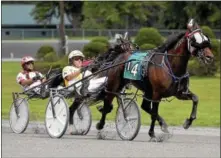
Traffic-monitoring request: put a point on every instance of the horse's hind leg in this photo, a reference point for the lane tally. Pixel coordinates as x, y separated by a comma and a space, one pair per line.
146, 106
153, 119
154, 114
107, 108
194, 98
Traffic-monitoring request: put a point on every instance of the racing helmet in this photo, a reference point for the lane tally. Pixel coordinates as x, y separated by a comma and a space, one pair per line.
75, 53
26, 59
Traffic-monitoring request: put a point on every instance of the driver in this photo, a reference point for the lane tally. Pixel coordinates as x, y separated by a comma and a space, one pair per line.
29, 78
73, 73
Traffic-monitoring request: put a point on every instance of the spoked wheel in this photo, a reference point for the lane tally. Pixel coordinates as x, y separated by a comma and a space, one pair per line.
82, 119
128, 126
19, 115
56, 125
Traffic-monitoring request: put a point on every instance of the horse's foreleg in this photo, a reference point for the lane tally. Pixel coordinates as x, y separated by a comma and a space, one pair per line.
194, 98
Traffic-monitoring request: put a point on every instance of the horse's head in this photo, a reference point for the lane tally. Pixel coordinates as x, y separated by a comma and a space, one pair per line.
198, 44
124, 44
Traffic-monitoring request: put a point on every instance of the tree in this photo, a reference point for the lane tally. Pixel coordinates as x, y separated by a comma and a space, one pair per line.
73, 11
117, 14
178, 12
62, 29
46, 10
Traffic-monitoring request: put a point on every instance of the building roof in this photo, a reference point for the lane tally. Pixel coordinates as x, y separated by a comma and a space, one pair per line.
19, 14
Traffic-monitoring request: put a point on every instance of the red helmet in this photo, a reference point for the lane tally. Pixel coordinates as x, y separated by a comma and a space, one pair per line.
26, 59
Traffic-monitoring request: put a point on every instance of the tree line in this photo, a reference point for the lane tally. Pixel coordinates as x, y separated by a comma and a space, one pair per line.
129, 15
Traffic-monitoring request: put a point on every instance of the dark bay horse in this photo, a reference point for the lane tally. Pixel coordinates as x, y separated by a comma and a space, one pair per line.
165, 75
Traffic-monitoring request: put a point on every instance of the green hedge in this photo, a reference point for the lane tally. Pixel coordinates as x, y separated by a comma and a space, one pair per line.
50, 57
208, 31
100, 39
44, 66
147, 46
216, 48
44, 50
148, 35
94, 48
196, 68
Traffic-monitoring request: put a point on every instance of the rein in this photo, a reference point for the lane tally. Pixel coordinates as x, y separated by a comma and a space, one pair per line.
166, 60
175, 78
95, 73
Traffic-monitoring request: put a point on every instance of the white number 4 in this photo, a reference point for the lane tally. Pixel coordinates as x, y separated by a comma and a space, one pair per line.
134, 69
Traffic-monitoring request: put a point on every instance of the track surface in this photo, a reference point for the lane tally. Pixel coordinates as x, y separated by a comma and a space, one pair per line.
195, 142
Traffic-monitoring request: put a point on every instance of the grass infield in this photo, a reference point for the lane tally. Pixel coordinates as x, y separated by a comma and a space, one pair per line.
174, 112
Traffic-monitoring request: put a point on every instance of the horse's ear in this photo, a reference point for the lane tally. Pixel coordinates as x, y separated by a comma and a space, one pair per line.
126, 35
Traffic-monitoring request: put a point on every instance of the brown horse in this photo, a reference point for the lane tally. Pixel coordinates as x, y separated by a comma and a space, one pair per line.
165, 74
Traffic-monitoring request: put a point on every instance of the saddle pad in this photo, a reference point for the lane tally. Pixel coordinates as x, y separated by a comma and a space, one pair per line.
133, 68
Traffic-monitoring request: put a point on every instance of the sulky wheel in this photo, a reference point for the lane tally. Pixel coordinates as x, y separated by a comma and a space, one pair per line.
82, 119
56, 124
19, 115
127, 125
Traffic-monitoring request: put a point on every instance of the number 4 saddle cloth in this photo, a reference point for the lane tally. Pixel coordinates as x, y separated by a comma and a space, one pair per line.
134, 69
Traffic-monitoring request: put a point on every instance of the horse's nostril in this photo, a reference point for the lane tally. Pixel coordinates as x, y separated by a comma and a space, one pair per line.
209, 57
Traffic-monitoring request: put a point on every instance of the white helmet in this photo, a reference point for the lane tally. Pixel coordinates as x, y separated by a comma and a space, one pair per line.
75, 53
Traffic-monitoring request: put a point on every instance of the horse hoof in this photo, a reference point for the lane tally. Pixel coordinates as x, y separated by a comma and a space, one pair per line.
99, 126
164, 128
152, 135
187, 124
74, 133
153, 139
99, 135
164, 137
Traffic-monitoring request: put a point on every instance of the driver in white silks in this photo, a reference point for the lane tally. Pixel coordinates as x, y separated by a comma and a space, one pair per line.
28, 78
75, 72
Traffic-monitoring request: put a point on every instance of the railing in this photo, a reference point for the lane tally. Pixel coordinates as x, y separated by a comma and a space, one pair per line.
79, 34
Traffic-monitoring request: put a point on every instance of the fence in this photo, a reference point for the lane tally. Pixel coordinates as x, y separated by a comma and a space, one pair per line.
8, 34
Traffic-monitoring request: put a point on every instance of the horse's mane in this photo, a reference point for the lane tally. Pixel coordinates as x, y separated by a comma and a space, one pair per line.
170, 42
55, 75
104, 58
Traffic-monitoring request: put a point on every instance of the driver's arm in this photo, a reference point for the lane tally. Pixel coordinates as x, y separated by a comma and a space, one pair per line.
22, 80
26, 82
73, 75
68, 74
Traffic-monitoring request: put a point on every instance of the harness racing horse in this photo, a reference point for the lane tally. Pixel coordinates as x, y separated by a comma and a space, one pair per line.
165, 74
